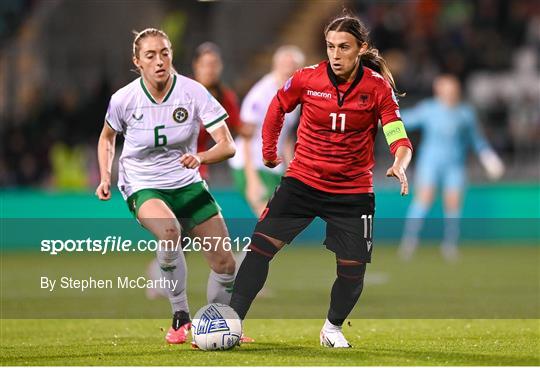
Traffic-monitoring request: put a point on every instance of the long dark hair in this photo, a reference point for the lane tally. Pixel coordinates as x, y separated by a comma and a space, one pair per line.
371, 58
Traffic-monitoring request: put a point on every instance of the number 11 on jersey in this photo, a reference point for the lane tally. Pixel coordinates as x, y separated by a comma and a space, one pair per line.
334, 117
368, 226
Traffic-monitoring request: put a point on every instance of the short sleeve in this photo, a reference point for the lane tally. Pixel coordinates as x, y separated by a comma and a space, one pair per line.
113, 117
209, 110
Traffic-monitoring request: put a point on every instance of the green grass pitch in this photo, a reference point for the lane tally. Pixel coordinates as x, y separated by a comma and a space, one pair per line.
279, 342
482, 310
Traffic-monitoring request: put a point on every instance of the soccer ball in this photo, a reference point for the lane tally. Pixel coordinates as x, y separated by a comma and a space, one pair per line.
216, 327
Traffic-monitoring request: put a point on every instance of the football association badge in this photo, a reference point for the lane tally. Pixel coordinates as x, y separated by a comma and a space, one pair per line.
365, 99
180, 115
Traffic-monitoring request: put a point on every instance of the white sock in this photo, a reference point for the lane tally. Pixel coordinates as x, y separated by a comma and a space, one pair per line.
154, 273
219, 288
329, 327
173, 267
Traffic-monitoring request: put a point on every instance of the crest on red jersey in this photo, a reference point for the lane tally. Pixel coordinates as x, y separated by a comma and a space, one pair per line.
365, 99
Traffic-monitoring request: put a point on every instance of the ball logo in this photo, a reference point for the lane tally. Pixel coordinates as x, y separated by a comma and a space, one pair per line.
211, 321
180, 115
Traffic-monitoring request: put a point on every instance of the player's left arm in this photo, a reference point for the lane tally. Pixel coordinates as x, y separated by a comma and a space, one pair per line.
396, 136
487, 156
221, 151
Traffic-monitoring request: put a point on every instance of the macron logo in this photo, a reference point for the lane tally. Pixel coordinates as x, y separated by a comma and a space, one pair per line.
319, 94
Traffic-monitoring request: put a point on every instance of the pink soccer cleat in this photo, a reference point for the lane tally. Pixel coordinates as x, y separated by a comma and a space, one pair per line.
178, 336
246, 339
180, 328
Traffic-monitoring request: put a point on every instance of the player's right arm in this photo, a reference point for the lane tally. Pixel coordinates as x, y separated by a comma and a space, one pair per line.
286, 100
105, 151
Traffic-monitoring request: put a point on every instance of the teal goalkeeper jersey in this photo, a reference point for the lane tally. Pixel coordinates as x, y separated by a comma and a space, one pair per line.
447, 132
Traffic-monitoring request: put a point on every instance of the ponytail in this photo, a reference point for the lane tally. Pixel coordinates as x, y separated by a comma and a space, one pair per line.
372, 59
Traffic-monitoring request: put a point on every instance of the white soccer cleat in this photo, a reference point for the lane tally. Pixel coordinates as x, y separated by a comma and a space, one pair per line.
334, 339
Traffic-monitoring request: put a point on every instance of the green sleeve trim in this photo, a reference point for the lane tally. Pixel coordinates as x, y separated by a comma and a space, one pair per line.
222, 117
394, 131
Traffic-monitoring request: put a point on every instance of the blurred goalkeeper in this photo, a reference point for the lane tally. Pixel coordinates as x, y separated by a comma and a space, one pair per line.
449, 127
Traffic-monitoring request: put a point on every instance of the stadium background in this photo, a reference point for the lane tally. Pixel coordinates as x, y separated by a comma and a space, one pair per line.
61, 61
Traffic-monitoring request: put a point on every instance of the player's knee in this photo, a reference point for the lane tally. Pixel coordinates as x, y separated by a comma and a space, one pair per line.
224, 265
352, 272
170, 235
264, 246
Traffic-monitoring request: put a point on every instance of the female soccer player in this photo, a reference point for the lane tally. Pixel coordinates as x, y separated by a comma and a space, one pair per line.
207, 68
450, 128
256, 181
330, 176
159, 115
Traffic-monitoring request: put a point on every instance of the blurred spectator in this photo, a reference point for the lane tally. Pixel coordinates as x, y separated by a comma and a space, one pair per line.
207, 70
251, 177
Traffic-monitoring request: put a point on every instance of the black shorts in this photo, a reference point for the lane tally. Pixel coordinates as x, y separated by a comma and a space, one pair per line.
348, 217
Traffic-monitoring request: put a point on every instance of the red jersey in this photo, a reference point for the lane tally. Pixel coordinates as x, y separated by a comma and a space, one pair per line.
227, 98
334, 151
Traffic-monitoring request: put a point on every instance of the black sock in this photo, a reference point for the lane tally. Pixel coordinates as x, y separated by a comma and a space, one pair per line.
180, 318
249, 281
345, 292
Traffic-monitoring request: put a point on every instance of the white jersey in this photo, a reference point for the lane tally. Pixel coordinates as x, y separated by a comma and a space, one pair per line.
157, 135
253, 111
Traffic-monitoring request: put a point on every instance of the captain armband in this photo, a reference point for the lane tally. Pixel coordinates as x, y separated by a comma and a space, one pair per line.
394, 131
